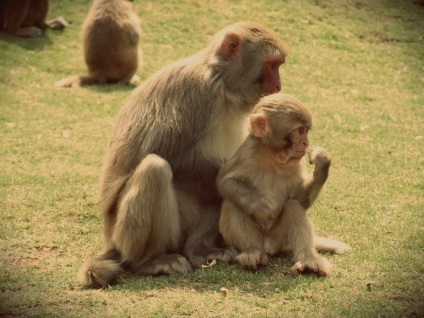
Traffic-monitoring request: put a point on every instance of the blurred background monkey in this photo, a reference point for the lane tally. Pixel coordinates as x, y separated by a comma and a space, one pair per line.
27, 18
111, 34
267, 190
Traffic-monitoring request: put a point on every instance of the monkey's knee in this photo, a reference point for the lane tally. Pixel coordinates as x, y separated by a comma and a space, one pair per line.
293, 215
153, 176
294, 205
147, 218
154, 166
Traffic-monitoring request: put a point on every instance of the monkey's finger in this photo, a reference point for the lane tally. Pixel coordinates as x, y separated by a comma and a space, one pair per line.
308, 150
309, 153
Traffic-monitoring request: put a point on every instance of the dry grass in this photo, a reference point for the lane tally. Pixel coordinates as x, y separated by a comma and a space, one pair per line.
359, 65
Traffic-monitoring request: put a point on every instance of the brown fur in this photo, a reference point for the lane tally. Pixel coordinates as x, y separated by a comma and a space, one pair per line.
267, 190
23, 17
111, 33
158, 195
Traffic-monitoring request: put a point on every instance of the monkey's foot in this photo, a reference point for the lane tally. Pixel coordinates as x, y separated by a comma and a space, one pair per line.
225, 255
57, 24
165, 265
316, 264
252, 258
135, 80
28, 32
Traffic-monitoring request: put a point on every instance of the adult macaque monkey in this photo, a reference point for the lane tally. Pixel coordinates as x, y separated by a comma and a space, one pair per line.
111, 32
267, 190
158, 194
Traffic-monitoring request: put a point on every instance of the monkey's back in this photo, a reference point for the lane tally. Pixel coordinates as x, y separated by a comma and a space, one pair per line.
110, 35
152, 122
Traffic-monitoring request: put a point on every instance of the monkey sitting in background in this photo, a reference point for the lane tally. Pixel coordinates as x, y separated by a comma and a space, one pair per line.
267, 190
111, 33
24, 18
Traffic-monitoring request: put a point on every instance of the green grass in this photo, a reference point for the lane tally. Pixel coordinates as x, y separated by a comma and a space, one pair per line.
359, 66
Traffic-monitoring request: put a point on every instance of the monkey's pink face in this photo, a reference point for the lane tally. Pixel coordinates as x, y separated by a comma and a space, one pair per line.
270, 82
299, 139
297, 148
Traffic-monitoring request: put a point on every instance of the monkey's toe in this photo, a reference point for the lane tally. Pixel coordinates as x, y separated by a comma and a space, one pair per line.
296, 269
318, 265
226, 255
252, 259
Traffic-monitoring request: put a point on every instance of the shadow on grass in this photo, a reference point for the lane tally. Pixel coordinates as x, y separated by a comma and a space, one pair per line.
270, 279
109, 88
30, 44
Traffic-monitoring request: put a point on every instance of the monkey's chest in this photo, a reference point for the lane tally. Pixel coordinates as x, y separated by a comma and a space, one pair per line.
283, 193
281, 188
224, 137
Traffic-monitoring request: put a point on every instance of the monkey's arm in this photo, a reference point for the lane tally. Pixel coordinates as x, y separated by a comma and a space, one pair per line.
242, 192
133, 35
311, 187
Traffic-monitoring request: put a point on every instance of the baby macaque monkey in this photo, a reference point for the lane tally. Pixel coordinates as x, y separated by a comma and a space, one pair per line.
267, 189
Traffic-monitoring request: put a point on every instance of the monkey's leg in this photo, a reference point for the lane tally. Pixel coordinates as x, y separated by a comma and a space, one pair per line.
13, 12
299, 234
30, 32
147, 223
200, 247
328, 245
241, 231
37, 13
33, 17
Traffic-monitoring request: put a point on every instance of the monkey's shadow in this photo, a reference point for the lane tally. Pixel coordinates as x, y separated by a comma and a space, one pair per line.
29, 44
109, 88
272, 278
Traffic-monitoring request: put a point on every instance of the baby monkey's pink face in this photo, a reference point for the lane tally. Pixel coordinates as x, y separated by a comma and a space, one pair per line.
297, 147
299, 139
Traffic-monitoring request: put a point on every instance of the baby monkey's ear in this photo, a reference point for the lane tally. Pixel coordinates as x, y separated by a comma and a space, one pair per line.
260, 125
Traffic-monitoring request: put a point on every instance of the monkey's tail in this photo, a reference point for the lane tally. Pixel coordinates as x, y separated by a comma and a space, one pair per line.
69, 82
101, 270
79, 80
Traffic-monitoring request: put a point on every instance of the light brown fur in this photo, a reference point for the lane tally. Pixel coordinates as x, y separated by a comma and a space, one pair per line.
111, 34
158, 196
267, 190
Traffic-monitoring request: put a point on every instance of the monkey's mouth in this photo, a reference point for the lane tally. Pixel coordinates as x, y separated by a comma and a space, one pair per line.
299, 154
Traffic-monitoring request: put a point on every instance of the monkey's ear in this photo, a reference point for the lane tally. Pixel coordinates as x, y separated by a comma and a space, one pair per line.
260, 125
230, 46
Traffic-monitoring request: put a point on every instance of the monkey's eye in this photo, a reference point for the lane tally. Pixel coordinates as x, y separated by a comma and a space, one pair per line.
302, 130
